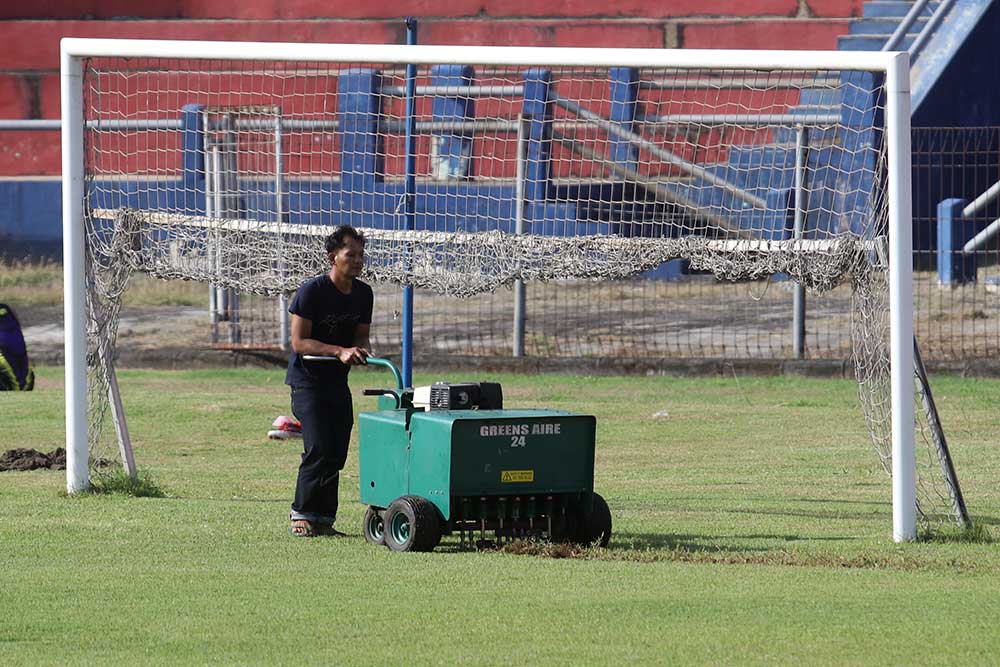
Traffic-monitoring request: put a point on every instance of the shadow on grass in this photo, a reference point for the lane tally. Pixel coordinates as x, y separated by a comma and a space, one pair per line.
939, 528
764, 506
841, 501
977, 533
976, 520
662, 541
802, 514
230, 499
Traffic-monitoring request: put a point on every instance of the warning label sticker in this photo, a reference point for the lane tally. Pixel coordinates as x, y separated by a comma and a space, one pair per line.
517, 476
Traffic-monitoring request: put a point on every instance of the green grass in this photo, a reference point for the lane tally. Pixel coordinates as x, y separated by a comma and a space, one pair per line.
35, 283
117, 482
752, 526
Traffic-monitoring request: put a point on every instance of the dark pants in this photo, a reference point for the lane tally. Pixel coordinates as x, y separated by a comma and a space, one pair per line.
327, 416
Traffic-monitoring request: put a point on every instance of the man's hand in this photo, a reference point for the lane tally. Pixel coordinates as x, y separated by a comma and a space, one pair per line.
353, 356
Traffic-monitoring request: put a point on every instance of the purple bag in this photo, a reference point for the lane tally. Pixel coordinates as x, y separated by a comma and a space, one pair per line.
16, 373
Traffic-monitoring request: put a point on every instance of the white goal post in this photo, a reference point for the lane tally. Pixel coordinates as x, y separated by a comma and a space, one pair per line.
894, 67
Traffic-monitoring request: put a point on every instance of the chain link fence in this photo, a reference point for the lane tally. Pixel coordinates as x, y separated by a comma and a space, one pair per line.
961, 320
694, 316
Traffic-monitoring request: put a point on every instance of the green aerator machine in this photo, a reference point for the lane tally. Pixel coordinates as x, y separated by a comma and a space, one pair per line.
449, 458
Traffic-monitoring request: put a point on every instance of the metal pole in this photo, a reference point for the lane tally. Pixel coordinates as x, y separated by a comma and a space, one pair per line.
117, 409
755, 120
230, 182
978, 241
279, 214
980, 202
657, 189
638, 140
210, 211
74, 281
220, 293
928, 30
410, 190
899, 34
519, 294
221, 306
940, 442
460, 91
904, 462
799, 294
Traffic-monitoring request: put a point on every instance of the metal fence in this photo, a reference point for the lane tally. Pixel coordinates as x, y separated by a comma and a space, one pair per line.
695, 316
960, 320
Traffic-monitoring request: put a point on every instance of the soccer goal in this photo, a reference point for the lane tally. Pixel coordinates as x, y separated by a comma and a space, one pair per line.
523, 164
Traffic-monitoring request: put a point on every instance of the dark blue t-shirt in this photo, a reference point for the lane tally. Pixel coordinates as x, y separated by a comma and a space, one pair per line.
335, 316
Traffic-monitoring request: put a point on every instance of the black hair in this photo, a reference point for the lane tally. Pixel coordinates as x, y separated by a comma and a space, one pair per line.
338, 239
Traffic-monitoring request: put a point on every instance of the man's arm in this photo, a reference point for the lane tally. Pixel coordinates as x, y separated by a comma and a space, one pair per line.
302, 343
362, 337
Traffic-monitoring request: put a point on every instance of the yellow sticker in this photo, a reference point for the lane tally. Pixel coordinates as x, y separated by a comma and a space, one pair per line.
517, 476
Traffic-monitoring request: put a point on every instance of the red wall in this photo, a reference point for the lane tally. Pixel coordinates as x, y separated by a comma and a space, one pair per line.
30, 32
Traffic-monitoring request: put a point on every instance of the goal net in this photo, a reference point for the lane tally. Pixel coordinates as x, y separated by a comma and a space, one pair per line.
229, 164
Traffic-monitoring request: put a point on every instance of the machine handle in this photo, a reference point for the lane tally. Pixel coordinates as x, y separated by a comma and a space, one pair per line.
371, 361
383, 392
382, 361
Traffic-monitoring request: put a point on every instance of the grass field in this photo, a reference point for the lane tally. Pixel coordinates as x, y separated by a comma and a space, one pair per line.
33, 283
752, 526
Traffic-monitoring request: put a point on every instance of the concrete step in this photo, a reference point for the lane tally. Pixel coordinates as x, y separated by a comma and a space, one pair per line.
882, 26
820, 97
768, 172
893, 9
870, 43
759, 168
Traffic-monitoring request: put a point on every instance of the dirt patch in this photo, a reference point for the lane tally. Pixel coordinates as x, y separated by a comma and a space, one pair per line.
23, 458
777, 557
545, 549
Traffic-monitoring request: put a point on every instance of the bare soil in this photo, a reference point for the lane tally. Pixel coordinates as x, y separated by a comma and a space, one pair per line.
22, 458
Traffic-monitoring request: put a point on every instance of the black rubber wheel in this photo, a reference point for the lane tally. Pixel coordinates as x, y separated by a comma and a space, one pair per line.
411, 523
565, 527
373, 527
595, 526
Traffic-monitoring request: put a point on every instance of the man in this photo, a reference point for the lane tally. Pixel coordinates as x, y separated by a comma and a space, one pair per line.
331, 317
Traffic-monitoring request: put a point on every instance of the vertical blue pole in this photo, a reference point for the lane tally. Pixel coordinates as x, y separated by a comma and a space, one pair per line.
954, 267
452, 151
624, 94
361, 163
537, 167
411, 186
193, 160
862, 111
192, 197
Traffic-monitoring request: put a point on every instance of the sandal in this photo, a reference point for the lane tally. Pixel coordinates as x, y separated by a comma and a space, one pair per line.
302, 528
